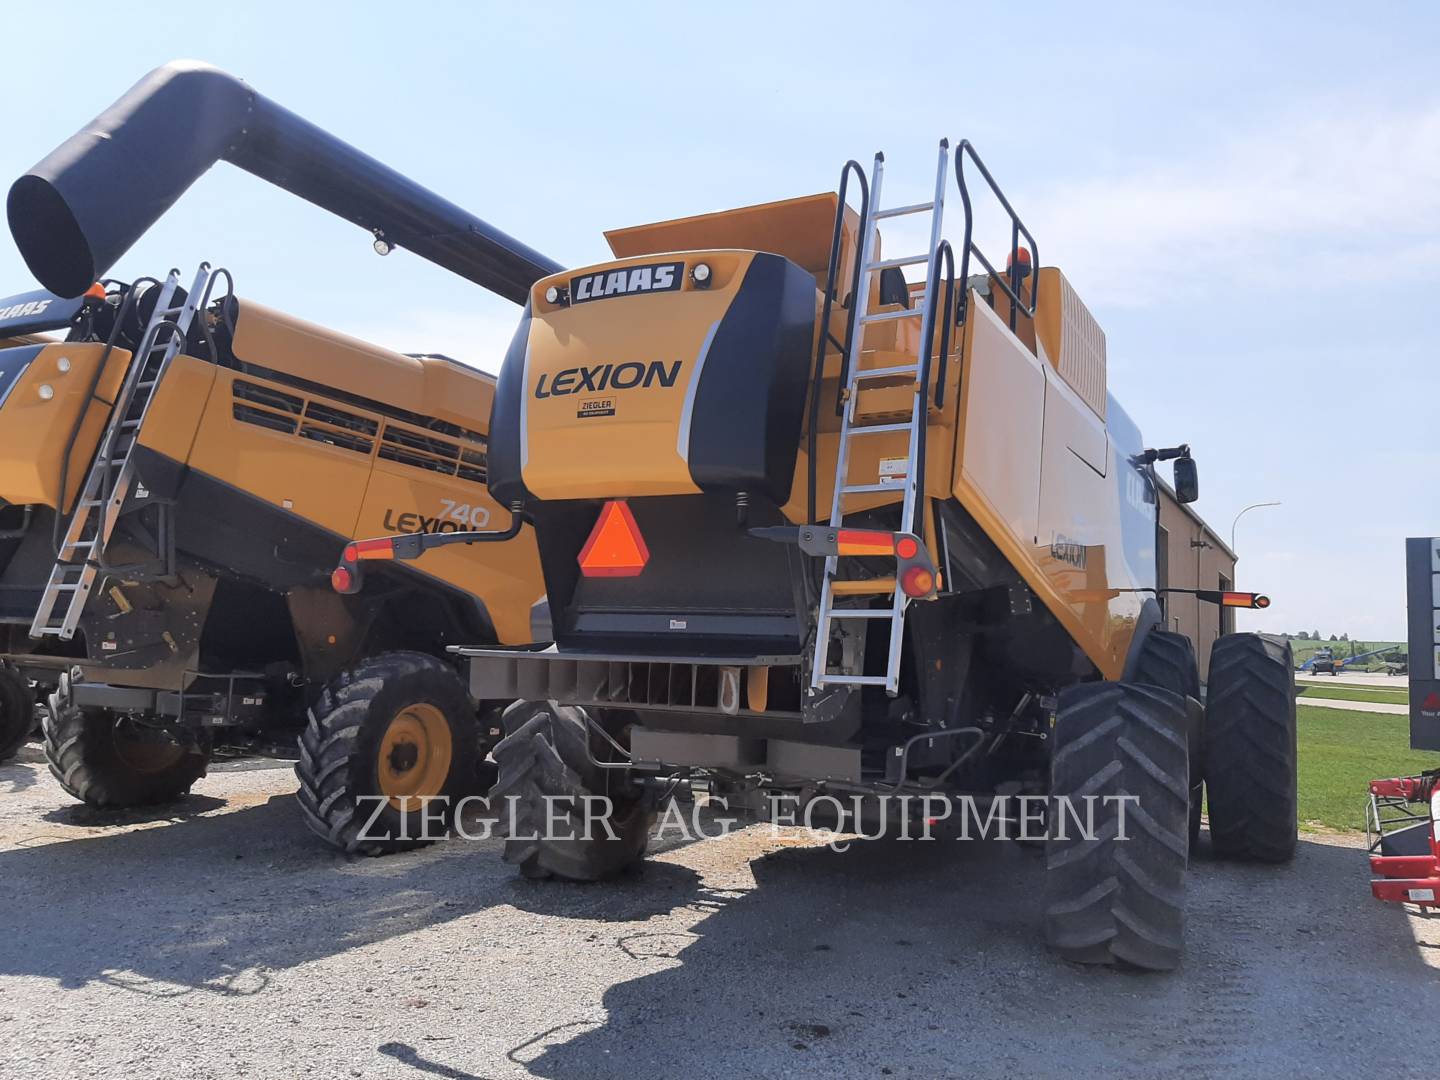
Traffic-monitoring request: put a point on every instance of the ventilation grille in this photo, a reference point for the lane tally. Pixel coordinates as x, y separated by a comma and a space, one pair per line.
322, 421
435, 455
1082, 349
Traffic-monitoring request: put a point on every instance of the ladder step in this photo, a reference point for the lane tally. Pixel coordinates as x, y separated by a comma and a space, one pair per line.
884, 372
853, 680
903, 260
863, 587
878, 429
887, 316
901, 211
860, 613
870, 489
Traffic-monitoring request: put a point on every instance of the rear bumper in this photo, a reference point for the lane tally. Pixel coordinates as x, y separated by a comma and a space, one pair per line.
694, 684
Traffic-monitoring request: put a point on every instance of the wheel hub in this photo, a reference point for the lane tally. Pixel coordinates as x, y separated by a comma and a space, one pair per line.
415, 755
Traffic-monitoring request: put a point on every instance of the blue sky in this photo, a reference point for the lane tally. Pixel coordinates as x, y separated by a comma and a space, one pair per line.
1247, 196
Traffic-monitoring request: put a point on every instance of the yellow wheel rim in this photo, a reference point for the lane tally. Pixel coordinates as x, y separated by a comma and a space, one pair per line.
415, 755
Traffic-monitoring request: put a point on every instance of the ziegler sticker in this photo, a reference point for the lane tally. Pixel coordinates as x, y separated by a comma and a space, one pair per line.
595, 407
627, 281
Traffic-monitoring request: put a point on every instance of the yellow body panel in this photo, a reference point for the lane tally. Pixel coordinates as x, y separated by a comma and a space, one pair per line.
564, 454
34, 432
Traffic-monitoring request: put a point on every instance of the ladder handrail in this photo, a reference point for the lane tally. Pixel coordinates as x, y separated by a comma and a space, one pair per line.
1017, 229
108, 480
927, 335
826, 308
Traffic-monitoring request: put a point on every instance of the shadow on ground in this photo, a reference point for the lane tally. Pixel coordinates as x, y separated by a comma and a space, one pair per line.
194, 900
925, 960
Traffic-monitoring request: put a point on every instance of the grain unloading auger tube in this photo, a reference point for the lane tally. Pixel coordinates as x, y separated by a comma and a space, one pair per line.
85, 203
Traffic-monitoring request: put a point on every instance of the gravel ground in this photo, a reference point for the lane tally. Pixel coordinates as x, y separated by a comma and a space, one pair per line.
219, 939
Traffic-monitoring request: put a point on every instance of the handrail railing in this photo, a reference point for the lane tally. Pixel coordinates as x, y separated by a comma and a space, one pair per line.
826, 337
927, 339
1017, 230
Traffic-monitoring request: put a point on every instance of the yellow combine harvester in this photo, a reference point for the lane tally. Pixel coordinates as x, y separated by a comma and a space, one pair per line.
177, 469
811, 529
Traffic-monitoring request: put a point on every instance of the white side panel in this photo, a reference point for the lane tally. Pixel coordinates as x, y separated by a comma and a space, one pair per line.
1005, 412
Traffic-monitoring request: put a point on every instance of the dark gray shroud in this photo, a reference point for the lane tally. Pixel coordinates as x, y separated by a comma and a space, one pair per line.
82, 207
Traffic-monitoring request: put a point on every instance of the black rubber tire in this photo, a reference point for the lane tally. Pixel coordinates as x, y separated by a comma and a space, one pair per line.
111, 762
1250, 755
340, 746
546, 755
17, 712
1111, 900
1167, 660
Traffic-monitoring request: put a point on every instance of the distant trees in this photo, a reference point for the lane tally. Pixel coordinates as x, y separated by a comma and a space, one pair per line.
1302, 636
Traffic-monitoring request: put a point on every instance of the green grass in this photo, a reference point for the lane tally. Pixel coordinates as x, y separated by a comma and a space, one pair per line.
1340, 753
1354, 693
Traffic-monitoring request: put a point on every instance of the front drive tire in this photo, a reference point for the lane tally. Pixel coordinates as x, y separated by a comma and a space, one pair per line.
112, 762
1250, 754
549, 790
17, 712
1114, 900
397, 729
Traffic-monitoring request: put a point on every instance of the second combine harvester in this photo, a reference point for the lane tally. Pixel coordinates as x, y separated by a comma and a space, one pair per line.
178, 467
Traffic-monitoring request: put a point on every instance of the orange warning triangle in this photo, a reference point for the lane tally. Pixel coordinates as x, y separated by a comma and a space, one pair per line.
615, 547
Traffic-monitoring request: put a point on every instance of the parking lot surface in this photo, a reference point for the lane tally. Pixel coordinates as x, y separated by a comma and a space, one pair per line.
218, 938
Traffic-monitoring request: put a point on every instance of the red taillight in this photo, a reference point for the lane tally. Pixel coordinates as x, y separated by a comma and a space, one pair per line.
864, 542
907, 547
1244, 599
341, 579
917, 582
615, 547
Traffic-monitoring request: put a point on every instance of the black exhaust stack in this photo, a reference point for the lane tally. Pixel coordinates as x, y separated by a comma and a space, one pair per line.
82, 207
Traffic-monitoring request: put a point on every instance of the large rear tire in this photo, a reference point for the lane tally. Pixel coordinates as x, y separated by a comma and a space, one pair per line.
549, 791
1167, 660
17, 712
1250, 753
114, 762
1115, 892
390, 749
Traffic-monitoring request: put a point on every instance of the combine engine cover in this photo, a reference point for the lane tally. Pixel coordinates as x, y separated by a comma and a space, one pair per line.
677, 382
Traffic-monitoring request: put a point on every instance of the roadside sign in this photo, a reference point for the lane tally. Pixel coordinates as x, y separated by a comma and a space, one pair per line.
1422, 579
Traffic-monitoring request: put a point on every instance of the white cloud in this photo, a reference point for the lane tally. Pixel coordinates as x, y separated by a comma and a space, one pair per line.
1334, 190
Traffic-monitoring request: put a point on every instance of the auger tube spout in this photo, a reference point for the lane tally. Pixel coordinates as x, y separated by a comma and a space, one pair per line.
76, 212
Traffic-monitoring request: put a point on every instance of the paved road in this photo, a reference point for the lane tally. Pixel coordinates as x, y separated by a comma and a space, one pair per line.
218, 939
1355, 706
1367, 680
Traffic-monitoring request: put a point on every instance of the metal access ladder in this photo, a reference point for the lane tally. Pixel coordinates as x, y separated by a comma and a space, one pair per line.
80, 559
850, 429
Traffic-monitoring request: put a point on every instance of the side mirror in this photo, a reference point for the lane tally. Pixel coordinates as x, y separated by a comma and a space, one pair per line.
1187, 480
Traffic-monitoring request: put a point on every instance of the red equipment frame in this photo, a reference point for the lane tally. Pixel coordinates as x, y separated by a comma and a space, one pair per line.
1404, 840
